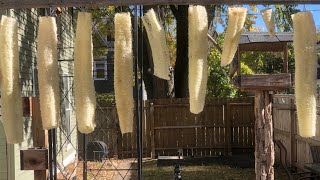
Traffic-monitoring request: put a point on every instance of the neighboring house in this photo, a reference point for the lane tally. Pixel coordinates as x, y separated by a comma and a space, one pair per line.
28, 22
103, 72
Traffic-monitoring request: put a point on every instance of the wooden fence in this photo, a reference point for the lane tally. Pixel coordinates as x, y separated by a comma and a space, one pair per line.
285, 129
224, 127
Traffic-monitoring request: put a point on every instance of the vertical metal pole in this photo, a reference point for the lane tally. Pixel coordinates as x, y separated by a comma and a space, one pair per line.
84, 158
50, 154
54, 152
137, 104
141, 89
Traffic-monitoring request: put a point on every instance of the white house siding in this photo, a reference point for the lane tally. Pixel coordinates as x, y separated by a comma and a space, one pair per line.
27, 30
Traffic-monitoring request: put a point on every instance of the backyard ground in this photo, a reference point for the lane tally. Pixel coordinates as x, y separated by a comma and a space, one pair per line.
218, 168
205, 172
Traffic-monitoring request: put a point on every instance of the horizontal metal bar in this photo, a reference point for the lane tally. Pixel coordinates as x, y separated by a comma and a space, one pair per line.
221, 146
18, 4
112, 169
182, 105
189, 127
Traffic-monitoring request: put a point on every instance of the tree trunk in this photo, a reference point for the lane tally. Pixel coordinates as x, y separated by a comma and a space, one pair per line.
264, 147
181, 67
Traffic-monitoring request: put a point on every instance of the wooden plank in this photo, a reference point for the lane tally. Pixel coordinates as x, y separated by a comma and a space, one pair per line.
279, 131
285, 58
147, 132
264, 82
153, 153
293, 142
19, 4
241, 129
40, 136
165, 120
34, 159
283, 106
273, 47
307, 140
228, 135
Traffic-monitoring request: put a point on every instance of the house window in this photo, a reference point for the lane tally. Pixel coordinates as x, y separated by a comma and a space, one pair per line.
100, 70
67, 107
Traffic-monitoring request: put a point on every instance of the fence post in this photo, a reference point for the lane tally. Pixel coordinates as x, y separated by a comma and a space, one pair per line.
153, 151
293, 141
40, 136
228, 148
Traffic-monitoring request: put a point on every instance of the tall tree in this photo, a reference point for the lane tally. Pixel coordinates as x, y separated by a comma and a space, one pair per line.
181, 67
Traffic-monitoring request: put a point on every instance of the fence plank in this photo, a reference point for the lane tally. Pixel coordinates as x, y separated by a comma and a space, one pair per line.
153, 152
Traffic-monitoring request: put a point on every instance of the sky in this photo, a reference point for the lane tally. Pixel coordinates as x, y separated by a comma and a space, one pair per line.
315, 10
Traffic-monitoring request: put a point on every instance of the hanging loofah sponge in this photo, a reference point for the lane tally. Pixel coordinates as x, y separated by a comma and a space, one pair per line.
236, 19
159, 47
268, 18
123, 71
304, 43
10, 82
48, 72
85, 98
198, 50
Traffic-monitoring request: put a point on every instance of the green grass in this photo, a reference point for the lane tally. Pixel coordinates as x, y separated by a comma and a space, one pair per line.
208, 172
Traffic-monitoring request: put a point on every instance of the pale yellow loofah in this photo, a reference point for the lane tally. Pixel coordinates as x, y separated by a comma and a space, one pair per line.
268, 18
159, 47
304, 43
10, 81
48, 72
198, 50
236, 19
85, 98
123, 71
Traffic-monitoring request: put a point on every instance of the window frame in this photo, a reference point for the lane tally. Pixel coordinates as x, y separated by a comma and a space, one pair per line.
95, 69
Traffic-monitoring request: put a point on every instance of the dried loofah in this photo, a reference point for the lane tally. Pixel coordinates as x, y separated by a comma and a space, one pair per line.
123, 71
48, 72
10, 81
236, 19
159, 47
304, 43
85, 98
198, 50
268, 18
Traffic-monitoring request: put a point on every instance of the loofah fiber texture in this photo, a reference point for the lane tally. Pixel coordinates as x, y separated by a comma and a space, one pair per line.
304, 43
48, 72
123, 71
159, 47
236, 19
268, 18
198, 50
85, 98
10, 81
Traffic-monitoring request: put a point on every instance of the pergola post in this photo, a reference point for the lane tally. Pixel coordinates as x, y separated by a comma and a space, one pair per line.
264, 146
